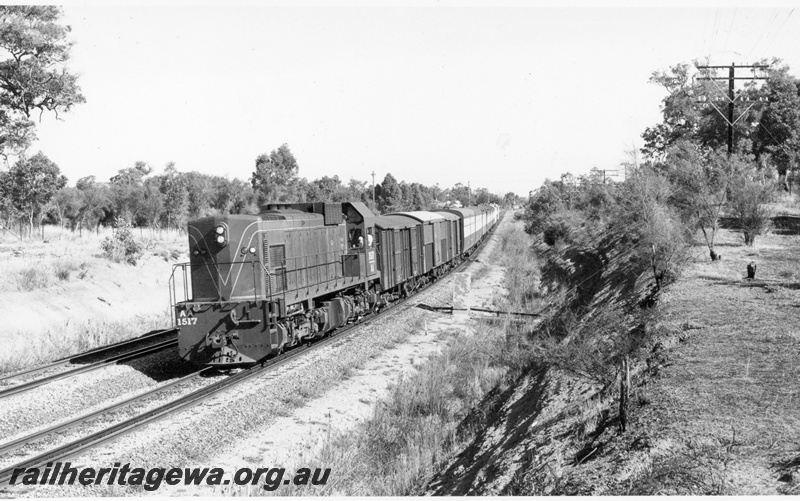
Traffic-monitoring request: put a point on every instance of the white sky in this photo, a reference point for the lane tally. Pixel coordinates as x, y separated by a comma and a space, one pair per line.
500, 97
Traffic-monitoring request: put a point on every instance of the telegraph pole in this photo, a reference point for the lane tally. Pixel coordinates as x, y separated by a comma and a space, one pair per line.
373, 188
731, 97
610, 173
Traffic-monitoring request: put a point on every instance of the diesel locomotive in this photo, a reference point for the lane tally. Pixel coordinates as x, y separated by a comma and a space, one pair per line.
258, 284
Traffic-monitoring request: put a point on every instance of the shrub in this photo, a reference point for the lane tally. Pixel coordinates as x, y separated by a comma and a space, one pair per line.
749, 209
564, 226
33, 278
546, 201
121, 246
63, 268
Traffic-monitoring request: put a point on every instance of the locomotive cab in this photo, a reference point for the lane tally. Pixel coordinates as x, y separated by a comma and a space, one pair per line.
360, 259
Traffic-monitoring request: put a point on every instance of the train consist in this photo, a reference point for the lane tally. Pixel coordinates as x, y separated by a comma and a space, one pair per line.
258, 284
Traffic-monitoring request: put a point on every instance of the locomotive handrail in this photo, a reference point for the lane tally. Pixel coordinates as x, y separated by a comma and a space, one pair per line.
290, 267
187, 299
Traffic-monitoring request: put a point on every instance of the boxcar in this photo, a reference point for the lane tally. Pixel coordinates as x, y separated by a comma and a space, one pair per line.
398, 243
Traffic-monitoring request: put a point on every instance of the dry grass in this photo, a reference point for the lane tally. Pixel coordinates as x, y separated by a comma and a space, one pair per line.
415, 430
740, 373
786, 205
68, 298
23, 350
516, 253
63, 256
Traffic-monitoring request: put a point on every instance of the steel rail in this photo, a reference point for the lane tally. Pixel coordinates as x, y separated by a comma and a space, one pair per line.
36, 436
110, 433
73, 358
141, 352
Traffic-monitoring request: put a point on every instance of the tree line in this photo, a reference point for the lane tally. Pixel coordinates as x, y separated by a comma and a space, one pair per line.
686, 154
34, 192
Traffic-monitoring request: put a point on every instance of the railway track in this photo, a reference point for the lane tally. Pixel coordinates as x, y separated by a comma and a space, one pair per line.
112, 357
187, 401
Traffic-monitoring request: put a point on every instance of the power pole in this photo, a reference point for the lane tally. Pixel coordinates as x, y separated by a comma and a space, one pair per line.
373, 188
731, 97
610, 173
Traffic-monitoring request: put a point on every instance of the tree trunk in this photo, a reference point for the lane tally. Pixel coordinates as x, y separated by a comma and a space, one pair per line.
656, 274
624, 393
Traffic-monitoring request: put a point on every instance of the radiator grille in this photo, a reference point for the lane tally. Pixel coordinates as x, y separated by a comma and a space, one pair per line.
275, 257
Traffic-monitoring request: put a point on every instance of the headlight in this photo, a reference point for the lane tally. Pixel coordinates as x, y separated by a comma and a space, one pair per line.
252, 250
220, 230
221, 239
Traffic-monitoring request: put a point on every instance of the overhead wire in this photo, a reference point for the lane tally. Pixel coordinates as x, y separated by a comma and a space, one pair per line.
770, 133
714, 30
764, 31
772, 41
775, 37
730, 28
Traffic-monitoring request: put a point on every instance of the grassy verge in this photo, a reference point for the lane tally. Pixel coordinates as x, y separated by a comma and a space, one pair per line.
726, 403
63, 297
25, 350
516, 253
416, 429
27, 275
64, 256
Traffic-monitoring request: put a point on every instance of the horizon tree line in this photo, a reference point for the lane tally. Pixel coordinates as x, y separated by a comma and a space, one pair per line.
33, 192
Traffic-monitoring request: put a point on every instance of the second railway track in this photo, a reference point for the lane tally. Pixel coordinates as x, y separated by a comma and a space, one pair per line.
131, 350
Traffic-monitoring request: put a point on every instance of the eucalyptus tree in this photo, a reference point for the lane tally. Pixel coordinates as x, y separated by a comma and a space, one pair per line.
34, 78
